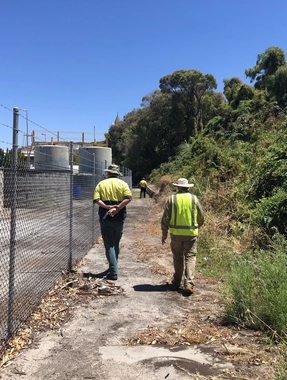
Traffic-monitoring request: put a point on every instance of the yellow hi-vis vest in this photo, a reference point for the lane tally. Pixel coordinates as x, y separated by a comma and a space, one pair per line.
183, 219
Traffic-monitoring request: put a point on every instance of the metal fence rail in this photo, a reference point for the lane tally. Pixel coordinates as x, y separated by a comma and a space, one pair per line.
48, 222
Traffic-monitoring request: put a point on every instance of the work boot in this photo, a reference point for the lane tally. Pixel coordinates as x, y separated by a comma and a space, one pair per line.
112, 276
188, 289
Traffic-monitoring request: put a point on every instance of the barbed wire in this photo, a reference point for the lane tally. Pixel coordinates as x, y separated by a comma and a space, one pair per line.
48, 131
5, 125
9, 109
20, 109
40, 126
5, 142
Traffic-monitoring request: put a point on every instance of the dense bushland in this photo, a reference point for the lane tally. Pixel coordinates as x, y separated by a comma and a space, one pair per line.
233, 147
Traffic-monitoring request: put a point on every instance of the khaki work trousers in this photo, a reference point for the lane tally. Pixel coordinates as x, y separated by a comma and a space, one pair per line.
184, 251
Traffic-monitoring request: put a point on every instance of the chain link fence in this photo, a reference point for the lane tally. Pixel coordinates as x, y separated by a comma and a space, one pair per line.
48, 223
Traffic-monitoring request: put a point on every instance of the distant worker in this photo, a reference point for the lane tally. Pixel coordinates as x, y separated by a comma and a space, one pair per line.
143, 186
183, 215
112, 195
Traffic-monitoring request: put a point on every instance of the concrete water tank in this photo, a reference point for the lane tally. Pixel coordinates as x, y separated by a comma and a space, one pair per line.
51, 157
101, 155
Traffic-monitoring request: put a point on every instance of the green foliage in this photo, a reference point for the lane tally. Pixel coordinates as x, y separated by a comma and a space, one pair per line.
5, 158
281, 368
236, 91
233, 147
271, 213
216, 124
76, 157
268, 185
266, 66
214, 255
231, 88
188, 88
186, 129
279, 87
245, 92
239, 292
213, 105
256, 289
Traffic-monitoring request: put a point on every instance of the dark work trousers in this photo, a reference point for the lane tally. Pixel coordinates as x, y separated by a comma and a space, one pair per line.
143, 191
112, 231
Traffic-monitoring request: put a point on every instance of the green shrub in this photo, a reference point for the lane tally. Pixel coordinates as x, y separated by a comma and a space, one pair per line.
271, 212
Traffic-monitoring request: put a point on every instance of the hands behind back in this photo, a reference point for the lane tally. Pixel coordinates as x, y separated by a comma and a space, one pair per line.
113, 210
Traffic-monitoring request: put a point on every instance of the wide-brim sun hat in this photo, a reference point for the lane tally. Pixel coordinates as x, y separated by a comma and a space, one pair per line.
113, 169
183, 182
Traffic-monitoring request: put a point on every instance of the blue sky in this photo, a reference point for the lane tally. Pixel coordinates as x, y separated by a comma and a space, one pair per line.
74, 64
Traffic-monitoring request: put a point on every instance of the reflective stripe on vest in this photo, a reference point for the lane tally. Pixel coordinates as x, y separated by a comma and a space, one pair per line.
183, 219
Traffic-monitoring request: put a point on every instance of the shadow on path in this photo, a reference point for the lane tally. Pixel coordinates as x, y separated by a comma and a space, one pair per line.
159, 288
95, 275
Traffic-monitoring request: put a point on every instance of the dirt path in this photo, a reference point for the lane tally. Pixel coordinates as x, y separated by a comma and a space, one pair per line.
139, 329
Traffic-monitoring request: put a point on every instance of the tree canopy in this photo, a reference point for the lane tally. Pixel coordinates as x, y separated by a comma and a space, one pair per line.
266, 66
186, 105
188, 88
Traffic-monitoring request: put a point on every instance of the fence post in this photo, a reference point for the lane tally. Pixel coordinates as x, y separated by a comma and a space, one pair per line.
93, 207
71, 208
13, 222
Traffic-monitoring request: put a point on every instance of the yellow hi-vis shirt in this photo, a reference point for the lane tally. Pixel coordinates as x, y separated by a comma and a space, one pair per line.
183, 219
143, 183
112, 191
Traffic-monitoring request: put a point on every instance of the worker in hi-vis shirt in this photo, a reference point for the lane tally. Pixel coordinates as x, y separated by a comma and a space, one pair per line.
112, 196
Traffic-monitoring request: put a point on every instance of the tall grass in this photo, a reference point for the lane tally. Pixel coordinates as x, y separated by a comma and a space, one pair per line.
255, 290
215, 254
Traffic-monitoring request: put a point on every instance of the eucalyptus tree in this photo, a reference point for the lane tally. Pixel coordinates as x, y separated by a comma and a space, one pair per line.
266, 66
153, 141
163, 137
188, 88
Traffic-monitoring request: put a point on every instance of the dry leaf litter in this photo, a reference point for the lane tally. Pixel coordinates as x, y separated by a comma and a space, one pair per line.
57, 308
